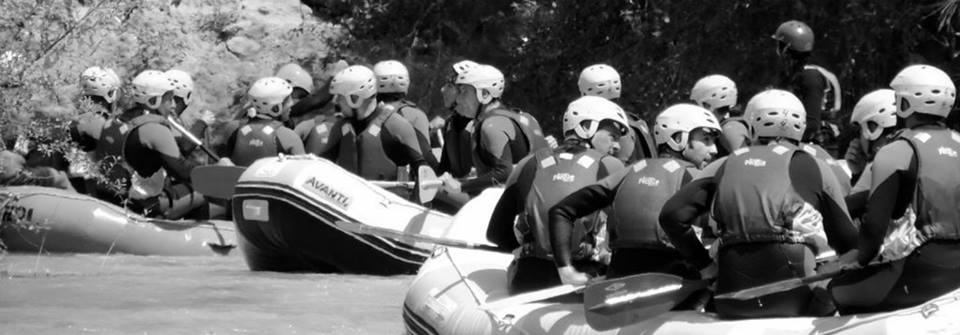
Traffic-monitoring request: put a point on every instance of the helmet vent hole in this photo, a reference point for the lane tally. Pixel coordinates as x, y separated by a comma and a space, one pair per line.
918, 94
930, 102
935, 91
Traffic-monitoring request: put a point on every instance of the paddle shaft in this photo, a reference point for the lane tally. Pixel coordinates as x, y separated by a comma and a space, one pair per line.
780, 286
407, 184
192, 138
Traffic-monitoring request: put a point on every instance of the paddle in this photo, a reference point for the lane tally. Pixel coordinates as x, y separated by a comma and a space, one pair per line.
192, 138
426, 185
781, 286
400, 236
221, 248
618, 302
216, 181
532, 296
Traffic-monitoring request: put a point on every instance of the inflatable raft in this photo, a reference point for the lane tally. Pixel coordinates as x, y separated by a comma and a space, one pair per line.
286, 210
54, 220
440, 301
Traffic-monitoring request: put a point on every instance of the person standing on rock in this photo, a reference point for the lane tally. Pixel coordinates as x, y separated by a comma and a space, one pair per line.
592, 127
264, 135
370, 139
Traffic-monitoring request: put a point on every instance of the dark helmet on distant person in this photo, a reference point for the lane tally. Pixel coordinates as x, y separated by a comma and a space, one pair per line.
794, 35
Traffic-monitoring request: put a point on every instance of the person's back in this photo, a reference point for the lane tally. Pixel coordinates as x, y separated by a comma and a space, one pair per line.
393, 81
541, 180
912, 226
265, 135
758, 197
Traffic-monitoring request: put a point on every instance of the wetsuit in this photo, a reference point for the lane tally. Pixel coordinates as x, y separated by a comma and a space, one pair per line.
755, 193
809, 85
148, 145
839, 171
458, 143
374, 147
501, 138
409, 111
540, 181
198, 129
920, 170
260, 138
637, 143
636, 195
861, 151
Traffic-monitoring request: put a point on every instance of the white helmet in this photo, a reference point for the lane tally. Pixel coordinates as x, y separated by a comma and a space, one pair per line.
182, 83
268, 94
714, 92
149, 86
355, 83
481, 77
600, 80
879, 107
583, 116
776, 113
296, 76
682, 118
101, 82
923, 89
392, 77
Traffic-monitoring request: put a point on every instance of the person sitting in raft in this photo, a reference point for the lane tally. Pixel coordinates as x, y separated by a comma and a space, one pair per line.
918, 175
499, 138
147, 151
718, 93
370, 139
603, 81
264, 135
686, 136
591, 126
759, 196
875, 115
182, 98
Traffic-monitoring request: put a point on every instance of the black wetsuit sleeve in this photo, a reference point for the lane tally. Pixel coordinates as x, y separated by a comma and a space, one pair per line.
578, 204
400, 142
679, 214
808, 181
312, 102
857, 203
290, 142
500, 228
894, 179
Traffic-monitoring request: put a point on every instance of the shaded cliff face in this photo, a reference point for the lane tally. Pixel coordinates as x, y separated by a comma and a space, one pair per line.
224, 44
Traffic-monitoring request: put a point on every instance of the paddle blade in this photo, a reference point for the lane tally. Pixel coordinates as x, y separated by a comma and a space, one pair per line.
623, 301
216, 181
426, 184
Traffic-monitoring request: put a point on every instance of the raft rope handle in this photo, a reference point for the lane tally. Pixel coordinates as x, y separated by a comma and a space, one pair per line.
503, 323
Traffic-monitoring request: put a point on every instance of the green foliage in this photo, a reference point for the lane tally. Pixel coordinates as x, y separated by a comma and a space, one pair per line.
660, 47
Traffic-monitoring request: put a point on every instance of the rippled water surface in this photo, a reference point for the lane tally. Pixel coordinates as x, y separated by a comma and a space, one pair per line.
122, 294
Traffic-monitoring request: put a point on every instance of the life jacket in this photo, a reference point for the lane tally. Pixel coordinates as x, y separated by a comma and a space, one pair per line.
644, 145
255, 140
839, 169
937, 196
755, 199
634, 220
319, 135
363, 153
113, 139
458, 148
558, 174
526, 123
831, 93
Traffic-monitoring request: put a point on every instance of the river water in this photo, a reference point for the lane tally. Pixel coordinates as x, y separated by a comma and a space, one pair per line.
124, 294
